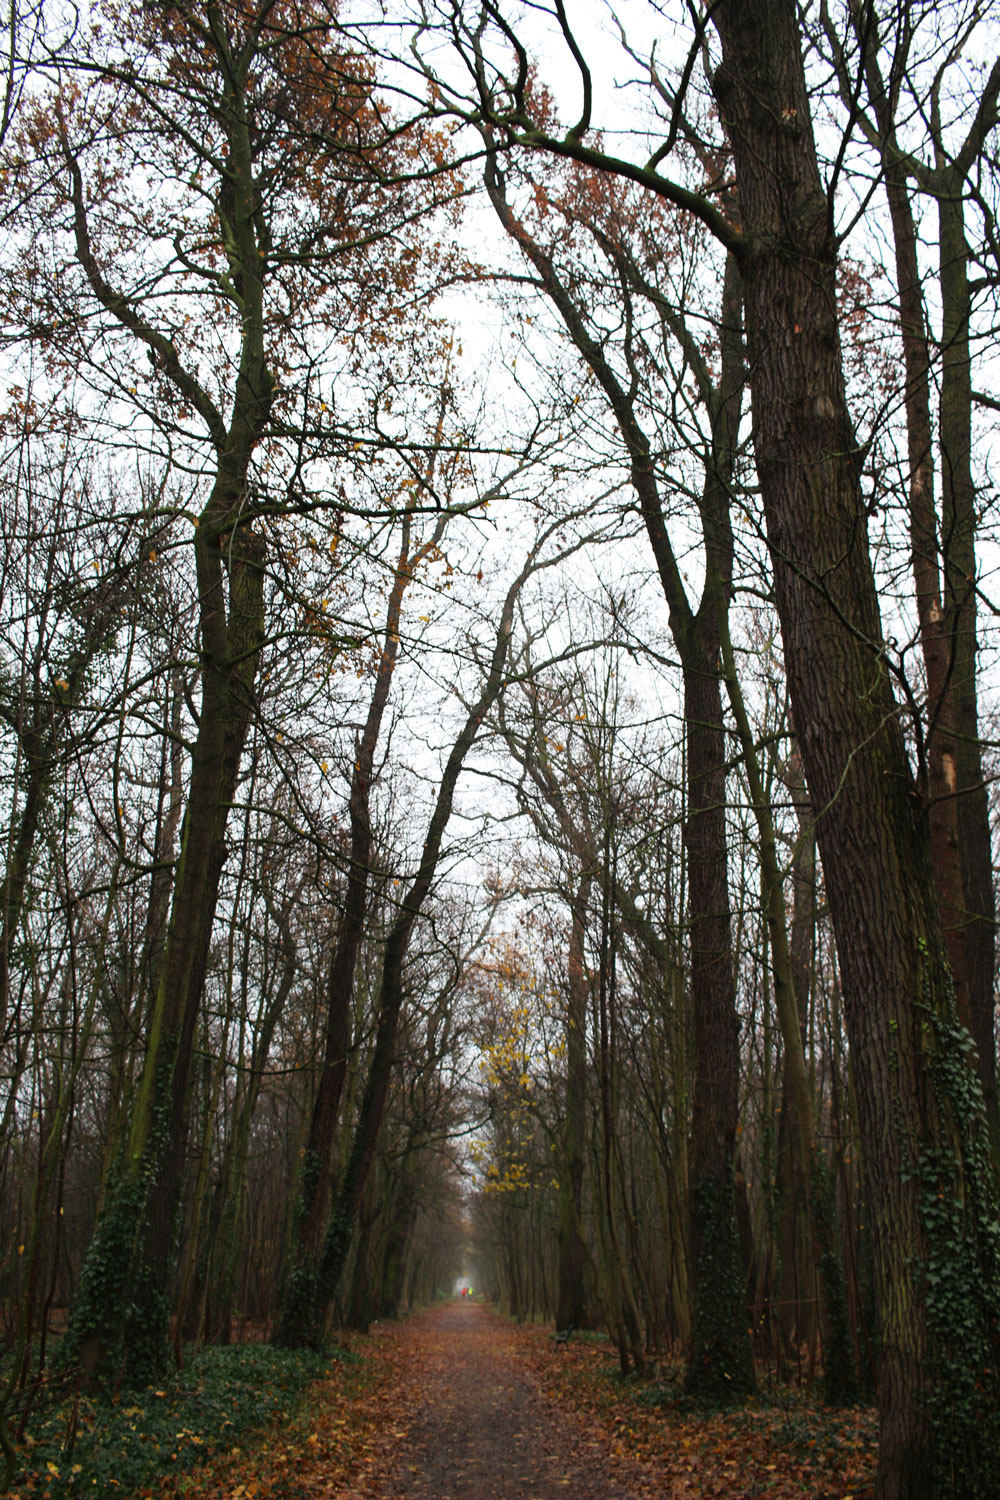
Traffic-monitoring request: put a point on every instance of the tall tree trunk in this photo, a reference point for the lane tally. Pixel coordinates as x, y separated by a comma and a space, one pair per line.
121, 1307
920, 1108
719, 1365
134, 1241
571, 1305
955, 785
967, 785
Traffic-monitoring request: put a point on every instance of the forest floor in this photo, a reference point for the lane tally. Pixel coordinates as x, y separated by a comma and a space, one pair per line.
453, 1403
456, 1403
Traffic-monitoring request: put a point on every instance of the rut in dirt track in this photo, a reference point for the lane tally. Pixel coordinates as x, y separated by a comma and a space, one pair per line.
470, 1422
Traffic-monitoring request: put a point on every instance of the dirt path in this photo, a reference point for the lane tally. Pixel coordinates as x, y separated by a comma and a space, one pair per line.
467, 1420
456, 1403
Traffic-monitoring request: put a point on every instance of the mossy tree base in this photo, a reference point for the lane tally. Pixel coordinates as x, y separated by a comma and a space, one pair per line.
301, 1325
119, 1332
958, 1216
720, 1367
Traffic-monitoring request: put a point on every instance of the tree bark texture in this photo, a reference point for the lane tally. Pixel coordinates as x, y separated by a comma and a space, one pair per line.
920, 1109
719, 1365
571, 1305
958, 527
940, 748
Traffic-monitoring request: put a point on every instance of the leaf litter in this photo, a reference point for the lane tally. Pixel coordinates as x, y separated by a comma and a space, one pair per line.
458, 1403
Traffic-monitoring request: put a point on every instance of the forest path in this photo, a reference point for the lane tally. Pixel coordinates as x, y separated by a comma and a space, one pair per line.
467, 1419
457, 1403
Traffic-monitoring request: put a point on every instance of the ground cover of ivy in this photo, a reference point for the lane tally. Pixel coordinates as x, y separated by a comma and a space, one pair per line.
100, 1447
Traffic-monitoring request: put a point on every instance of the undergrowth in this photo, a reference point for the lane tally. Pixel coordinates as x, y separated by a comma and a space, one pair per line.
101, 1447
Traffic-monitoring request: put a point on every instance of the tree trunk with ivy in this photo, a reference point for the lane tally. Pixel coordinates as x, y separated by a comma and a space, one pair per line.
927, 1172
120, 1315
